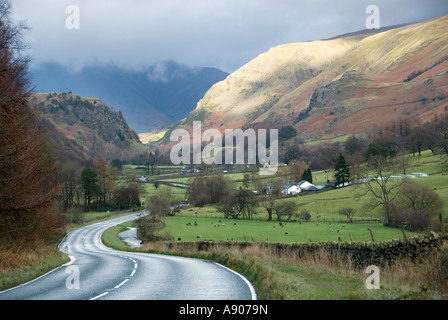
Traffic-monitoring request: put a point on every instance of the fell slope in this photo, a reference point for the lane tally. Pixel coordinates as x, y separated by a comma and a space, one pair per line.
156, 96
80, 128
343, 85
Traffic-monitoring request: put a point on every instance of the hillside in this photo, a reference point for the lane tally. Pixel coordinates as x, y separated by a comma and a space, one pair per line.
80, 128
156, 96
328, 88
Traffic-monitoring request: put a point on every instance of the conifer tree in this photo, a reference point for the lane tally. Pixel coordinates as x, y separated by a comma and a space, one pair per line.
307, 175
89, 185
342, 171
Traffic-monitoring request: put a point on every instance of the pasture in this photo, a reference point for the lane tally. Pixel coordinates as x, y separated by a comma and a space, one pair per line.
325, 225
200, 224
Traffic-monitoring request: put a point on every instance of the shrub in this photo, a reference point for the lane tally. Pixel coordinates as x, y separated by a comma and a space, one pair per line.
418, 219
415, 206
160, 203
349, 213
285, 210
209, 190
148, 227
304, 215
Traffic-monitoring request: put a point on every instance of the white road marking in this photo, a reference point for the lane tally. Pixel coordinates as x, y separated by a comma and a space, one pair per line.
123, 282
118, 286
251, 288
99, 296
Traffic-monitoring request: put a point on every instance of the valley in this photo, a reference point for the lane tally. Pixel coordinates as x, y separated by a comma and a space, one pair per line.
309, 163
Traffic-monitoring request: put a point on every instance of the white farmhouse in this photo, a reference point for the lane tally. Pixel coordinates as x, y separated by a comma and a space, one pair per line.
293, 190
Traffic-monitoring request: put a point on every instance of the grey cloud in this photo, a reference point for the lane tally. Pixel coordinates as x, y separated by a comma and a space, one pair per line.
217, 33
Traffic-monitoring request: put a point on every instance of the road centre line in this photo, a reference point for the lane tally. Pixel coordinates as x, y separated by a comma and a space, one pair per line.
118, 286
99, 296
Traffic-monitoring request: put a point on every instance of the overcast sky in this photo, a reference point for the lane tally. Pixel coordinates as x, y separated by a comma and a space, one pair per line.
214, 33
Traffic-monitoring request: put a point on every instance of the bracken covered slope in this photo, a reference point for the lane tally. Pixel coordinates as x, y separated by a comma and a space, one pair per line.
81, 128
344, 85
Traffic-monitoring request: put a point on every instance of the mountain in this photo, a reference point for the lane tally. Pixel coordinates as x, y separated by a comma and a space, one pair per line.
340, 86
80, 128
156, 96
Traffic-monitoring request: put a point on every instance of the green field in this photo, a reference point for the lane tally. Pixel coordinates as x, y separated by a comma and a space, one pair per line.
323, 206
288, 278
218, 229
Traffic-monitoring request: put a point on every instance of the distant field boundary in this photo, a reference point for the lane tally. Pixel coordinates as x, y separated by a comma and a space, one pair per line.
358, 254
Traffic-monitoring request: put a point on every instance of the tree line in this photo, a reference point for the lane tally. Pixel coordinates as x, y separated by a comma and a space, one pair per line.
403, 135
27, 180
243, 202
97, 186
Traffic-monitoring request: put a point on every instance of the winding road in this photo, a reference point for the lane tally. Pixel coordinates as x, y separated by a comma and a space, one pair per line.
97, 272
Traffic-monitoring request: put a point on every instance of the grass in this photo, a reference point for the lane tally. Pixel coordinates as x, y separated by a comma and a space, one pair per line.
317, 277
322, 276
323, 204
149, 190
274, 277
110, 237
17, 267
340, 138
219, 229
26, 264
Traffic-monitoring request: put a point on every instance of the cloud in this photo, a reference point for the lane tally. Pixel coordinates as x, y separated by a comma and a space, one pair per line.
167, 71
218, 33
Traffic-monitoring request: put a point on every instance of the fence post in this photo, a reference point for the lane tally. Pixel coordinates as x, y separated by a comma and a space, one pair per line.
404, 234
351, 237
371, 234
442, 224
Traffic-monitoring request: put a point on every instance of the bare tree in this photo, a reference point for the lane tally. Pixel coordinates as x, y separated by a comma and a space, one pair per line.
106, 178
69, 174
268, 202
241, 204
349, 213
380, 185
28, 185
285, 209
160, 203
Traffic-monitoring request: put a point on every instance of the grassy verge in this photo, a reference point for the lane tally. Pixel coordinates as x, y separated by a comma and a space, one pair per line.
110, 237
316, 277
18, 266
